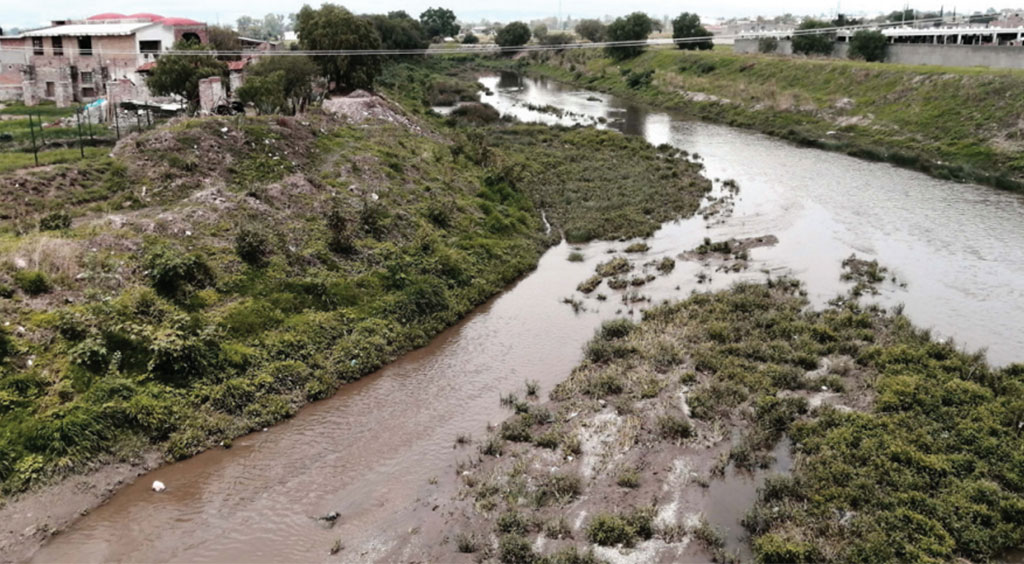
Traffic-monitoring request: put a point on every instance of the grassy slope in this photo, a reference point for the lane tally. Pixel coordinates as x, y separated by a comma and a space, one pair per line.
950, 122
929, 471
148, 329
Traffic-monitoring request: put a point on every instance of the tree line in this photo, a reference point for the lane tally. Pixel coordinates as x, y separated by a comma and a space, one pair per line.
285, 84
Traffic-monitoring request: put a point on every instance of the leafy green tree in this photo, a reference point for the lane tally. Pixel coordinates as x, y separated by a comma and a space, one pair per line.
902, 15
688, 25
179, 75
811, 43
470, 39
559, 38
398, 30
332, 27
870, 45
279, 84
591, 30
513, 35
842, 20
540, 31
634, 27
439, 22
223, 38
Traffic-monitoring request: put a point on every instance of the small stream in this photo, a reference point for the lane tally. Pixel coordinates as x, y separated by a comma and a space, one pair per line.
380, 452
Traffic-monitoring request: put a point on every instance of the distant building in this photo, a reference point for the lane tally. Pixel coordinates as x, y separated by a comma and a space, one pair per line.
79, 61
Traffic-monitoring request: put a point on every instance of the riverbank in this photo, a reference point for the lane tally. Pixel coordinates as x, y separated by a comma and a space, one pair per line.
630, 459
214, 275
960, 124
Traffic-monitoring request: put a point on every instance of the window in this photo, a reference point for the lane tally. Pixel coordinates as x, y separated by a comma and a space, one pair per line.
58, 46
37, 45
85, 46
88, 92
87, 77
149, 47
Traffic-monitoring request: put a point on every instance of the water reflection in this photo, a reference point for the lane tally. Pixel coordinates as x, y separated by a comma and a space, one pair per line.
958, 247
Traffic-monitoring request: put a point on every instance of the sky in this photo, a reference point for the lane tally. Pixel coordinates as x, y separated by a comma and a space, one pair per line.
34, 14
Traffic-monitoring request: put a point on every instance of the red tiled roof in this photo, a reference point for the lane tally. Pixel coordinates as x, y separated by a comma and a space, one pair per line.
180, 21
107, 16
146, 66
146, 16
237, 65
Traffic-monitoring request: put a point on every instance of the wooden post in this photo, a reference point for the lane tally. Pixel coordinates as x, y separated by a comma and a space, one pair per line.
78, 117
32, 131
117, 122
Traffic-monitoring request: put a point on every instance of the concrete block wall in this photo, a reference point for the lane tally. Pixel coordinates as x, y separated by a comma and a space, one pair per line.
991, 56
211, 95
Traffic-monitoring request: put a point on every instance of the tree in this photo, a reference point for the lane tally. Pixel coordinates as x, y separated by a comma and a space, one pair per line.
470, 39
273, 26
558, 38
223, 38
398, 30
591, 30
813, 43
248, 26
634, 27
279, 84
688, 25
842, 21
540, 31
179, 75
902, 15
439, 22
870, 45
513, 35
332, 27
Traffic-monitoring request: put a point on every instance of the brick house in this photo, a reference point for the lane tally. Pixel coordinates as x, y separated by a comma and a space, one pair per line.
79, 61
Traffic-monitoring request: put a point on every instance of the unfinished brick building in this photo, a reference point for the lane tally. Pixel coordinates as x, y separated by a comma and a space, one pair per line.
79, 61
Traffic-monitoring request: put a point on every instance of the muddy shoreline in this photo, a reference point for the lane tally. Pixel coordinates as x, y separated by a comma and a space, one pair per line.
32, 517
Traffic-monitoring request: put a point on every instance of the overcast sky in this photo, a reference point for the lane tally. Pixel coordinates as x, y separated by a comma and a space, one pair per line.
15, 13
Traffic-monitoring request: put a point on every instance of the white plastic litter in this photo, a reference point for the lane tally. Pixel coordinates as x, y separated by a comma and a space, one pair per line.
158, 486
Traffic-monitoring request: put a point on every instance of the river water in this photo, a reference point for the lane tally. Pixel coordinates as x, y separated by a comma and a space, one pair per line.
380, 452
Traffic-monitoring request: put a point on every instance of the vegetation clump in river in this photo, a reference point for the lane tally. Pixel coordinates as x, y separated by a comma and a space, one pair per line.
878, 111
214, 274
905, 448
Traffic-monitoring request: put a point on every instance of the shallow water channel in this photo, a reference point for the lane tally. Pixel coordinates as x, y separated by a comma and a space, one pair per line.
380, 452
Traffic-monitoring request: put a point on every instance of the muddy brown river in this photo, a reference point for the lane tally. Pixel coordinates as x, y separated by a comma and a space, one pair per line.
380, 452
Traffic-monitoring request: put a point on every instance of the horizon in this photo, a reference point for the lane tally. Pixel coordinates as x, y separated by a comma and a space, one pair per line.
32, 17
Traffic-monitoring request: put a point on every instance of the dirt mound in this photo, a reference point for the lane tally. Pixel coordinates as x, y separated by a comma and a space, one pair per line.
360, 106
176, 160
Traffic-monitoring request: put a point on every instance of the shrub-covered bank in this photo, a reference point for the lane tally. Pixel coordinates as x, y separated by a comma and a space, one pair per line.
905, 448
215, 274
962, 124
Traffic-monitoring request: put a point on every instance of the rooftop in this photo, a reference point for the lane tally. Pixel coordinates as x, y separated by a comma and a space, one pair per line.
87, 29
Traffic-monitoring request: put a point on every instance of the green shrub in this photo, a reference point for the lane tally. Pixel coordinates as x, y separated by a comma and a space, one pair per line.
6, 346
616, 328
514, 549
628, 478
870, 45
674, 427
252, 244
55, 221
639, 79
6, 292
820, 43
32, 282
513, 522
475, 112
608, 529
767, 45
174, 274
